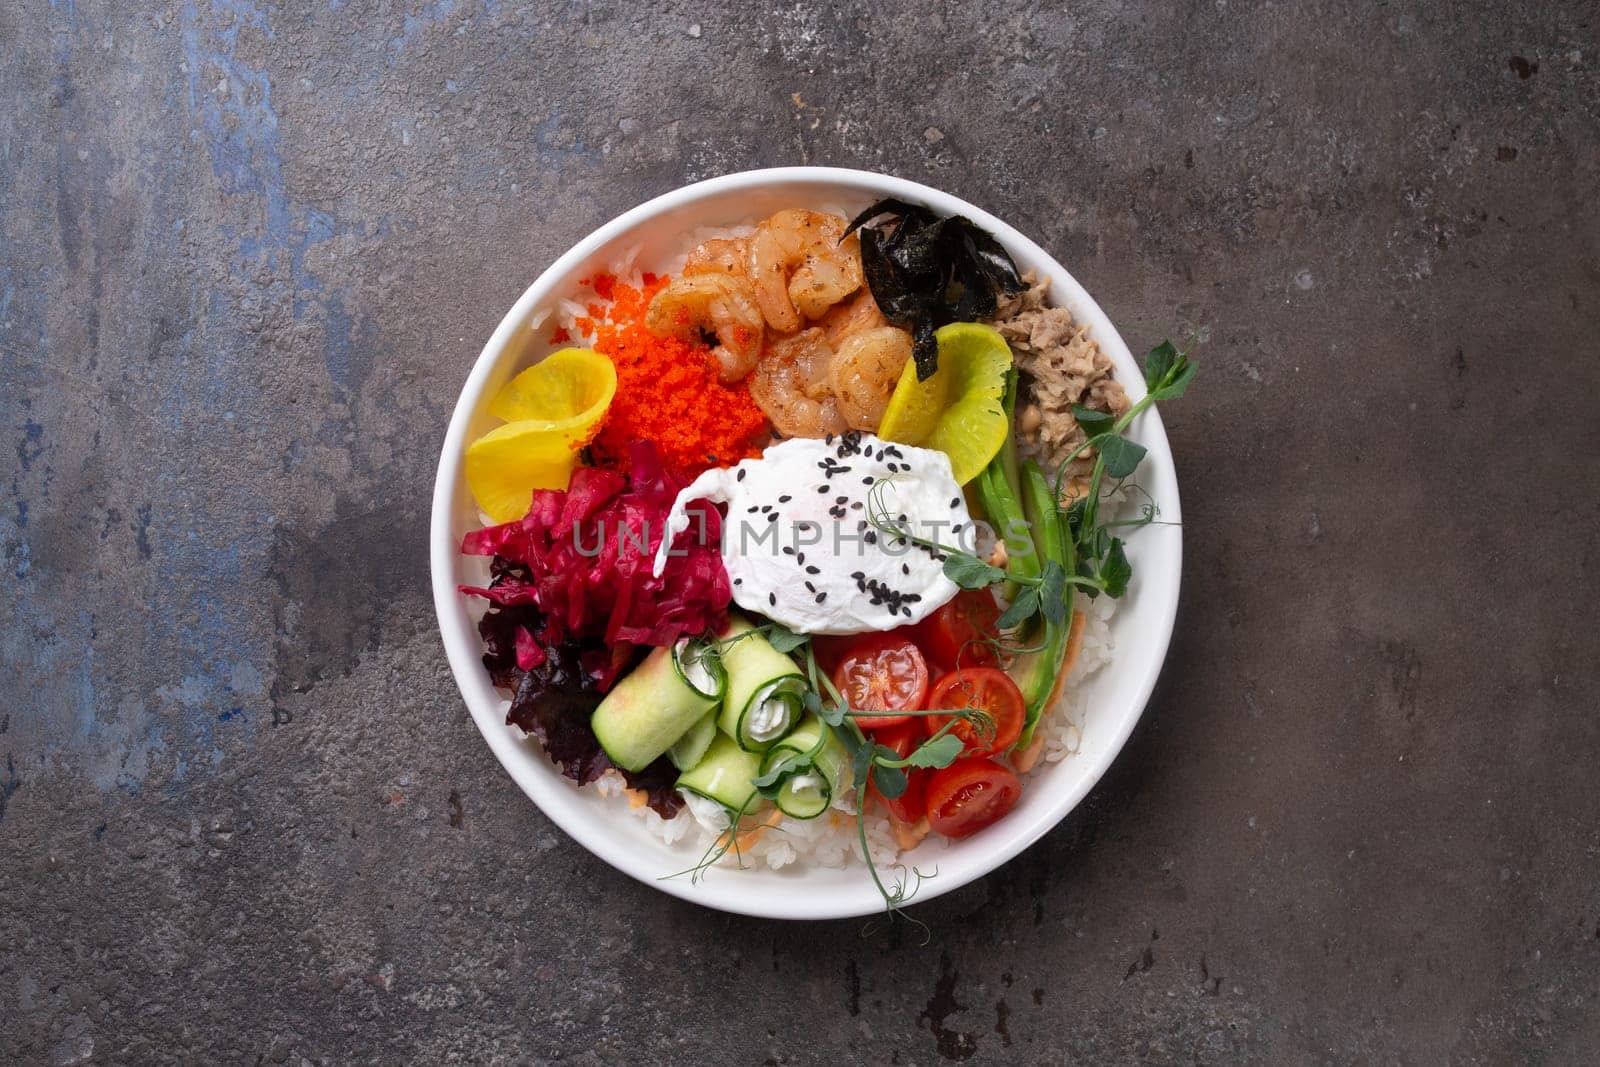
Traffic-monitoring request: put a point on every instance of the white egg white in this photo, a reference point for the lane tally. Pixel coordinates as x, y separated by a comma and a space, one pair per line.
804, 541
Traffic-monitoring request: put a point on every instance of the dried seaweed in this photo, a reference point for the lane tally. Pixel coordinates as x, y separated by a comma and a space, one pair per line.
927, 270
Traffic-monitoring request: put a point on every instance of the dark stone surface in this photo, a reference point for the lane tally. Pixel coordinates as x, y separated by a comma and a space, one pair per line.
247, 253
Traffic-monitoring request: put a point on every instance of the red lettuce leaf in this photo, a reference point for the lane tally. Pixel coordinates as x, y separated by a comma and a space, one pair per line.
553, 702
659, 781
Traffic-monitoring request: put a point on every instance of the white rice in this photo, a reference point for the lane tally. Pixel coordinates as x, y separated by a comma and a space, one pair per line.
833, 839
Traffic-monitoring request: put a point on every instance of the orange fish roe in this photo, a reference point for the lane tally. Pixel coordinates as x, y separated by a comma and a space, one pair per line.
667, 390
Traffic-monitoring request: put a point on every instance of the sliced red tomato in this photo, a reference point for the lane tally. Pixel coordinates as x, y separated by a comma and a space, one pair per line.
970, 794
962, 632
831, 648
882, 672
912, 805
985, 688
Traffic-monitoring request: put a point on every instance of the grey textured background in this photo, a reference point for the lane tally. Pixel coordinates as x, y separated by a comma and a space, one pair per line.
247, 252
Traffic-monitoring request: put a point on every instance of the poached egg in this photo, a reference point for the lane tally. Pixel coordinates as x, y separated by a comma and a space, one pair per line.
840, 535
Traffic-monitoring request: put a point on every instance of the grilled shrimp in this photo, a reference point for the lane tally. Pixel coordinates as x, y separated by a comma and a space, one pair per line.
720, 255
795, 257
865, 370
826, 277
791, 385
845, 319
718, 304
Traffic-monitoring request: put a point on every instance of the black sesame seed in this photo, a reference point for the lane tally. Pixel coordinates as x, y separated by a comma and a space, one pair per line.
955, 502
813, 570
867, 480
823, 488
772, 598
738, 581
811, 587
855, 505
785, 498
840, 499
740, 476
871, 537
821, 597
905, 568
773, 517
788, 550
800, 557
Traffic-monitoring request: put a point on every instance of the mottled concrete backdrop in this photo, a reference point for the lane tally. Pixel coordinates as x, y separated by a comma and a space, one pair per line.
247, 253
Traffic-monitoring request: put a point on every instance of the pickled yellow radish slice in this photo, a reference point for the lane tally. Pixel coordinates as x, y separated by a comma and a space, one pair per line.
506, 465
553, 409
957, 410
569, 389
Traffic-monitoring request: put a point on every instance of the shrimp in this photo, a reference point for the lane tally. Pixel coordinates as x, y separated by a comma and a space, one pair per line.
791, 385
795, 257
865, 371
720, 255
826, 277
845, 319
718, 304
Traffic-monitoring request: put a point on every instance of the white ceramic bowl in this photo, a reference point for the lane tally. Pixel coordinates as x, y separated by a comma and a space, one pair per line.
1117, 694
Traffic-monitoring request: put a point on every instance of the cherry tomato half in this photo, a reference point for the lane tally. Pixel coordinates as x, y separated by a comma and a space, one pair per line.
960, 633
882, 672
912, 805
988, 689
970, 794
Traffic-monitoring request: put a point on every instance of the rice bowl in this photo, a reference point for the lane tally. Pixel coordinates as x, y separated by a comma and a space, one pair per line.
811, 869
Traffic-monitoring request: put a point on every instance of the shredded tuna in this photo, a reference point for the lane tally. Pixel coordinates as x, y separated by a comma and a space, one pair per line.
1060, 366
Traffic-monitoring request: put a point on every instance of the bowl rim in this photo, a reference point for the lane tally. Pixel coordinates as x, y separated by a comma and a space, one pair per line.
463, 646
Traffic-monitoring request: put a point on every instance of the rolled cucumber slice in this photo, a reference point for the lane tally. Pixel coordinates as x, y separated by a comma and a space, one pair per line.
806, 792
766, 690
725, 774
699, 663
691, 747
648, 711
